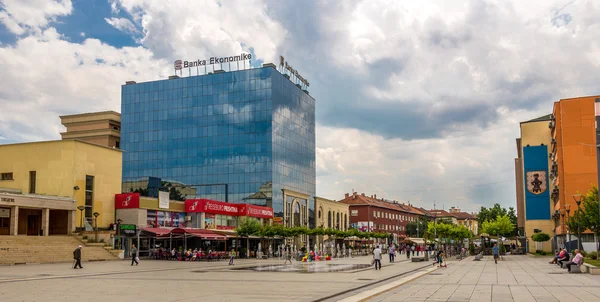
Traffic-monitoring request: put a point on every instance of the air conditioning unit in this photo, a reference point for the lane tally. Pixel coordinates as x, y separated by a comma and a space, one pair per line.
551, 124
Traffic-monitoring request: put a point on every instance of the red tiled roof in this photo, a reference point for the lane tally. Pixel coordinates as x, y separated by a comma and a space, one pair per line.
360, 199
464, 215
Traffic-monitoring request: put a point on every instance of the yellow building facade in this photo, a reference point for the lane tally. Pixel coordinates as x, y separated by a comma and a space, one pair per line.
537, 133
87, 173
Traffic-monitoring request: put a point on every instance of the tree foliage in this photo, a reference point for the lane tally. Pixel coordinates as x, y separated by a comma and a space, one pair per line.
540, 237
251, 227
491, 214
502, 225
411, 228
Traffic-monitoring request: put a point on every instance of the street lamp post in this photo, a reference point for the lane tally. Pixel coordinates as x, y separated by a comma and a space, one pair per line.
563, 228
568, 209
96, 214
119, 221
81, 208
577, 198
417, 231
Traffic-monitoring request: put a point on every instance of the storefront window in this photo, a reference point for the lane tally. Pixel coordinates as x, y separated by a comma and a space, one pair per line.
151, 218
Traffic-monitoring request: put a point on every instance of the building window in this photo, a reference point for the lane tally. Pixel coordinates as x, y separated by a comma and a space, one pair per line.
329, 219
118, 145
32, 182
89, 197
7, 176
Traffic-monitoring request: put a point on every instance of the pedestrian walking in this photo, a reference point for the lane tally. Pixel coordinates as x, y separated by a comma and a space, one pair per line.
392, 250
496, 251
288, 257
77, 257
231, 256
377, 258
134, 255
412, 248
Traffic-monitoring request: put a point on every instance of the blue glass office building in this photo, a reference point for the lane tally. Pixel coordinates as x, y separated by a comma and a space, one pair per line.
242, 136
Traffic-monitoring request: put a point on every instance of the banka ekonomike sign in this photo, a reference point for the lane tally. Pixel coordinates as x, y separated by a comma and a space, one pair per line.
283, 63
179, 64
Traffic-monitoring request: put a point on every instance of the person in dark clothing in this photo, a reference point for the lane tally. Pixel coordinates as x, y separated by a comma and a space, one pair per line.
134, 255
77, 257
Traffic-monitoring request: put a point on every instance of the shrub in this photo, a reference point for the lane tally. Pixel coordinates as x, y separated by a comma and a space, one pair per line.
101, 240
541, 252
592, 255
583, 253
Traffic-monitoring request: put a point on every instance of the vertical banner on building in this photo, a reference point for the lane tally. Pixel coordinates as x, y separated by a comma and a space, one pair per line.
163, 200
597, 110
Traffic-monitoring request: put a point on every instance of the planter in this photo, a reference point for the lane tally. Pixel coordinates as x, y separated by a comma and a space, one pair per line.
594, 270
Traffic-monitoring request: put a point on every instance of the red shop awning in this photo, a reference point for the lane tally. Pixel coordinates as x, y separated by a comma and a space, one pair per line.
159, 232
201, 233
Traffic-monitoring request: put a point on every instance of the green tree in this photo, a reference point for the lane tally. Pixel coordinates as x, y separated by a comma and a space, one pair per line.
590, 213
491, 214
247, 227
540, 237
500, 226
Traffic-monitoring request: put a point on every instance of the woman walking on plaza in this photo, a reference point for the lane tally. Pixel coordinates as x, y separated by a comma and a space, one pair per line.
231, 256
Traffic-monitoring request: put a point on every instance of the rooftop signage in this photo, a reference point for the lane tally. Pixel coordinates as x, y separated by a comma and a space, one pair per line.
179, 64
283, 63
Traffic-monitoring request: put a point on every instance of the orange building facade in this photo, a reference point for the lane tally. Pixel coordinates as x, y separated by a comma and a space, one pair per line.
573, 154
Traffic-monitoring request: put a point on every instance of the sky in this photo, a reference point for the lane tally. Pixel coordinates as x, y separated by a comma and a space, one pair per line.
416, 101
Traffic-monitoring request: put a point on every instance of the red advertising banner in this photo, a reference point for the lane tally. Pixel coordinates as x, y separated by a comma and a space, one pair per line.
225, 227
225, 208
211, 206
127, 201
256, 211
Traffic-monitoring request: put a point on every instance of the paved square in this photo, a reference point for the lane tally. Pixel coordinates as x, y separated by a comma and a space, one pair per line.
516, 278
185, 281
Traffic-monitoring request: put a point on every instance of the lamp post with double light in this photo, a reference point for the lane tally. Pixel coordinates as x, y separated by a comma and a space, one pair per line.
577, 198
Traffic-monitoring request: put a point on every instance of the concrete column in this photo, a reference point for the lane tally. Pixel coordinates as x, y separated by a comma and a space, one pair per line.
46, 221
71, 222
14, 220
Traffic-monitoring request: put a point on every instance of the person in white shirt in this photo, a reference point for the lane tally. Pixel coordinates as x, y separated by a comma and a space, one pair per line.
377, 257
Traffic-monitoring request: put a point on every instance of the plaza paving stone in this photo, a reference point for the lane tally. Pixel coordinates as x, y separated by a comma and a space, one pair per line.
515, 278
186, 281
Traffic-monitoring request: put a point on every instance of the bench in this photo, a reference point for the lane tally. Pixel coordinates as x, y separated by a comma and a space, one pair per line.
418, 259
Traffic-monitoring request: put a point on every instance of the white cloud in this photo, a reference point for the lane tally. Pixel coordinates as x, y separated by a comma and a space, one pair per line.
32, 15
122, 24
67, 78
82, 34
177, 30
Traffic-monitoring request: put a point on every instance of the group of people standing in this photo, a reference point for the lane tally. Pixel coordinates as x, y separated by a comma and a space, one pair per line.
377, 254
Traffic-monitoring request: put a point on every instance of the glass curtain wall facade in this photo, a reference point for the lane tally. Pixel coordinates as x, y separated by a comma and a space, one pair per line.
239, 137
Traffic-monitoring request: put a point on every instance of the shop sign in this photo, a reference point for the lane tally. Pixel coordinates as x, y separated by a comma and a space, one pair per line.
225, 227
256, 211
128, 229
6, 199
4, 213
278, 220
209, 221
211, 206
127, 201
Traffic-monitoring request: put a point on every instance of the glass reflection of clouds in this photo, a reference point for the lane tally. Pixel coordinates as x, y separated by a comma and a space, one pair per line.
252, 130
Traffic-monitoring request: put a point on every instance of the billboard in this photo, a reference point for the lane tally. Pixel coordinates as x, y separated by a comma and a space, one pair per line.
365, 226
163, 200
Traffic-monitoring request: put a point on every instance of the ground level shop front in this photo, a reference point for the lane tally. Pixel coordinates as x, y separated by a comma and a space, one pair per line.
36, 215
206, 224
